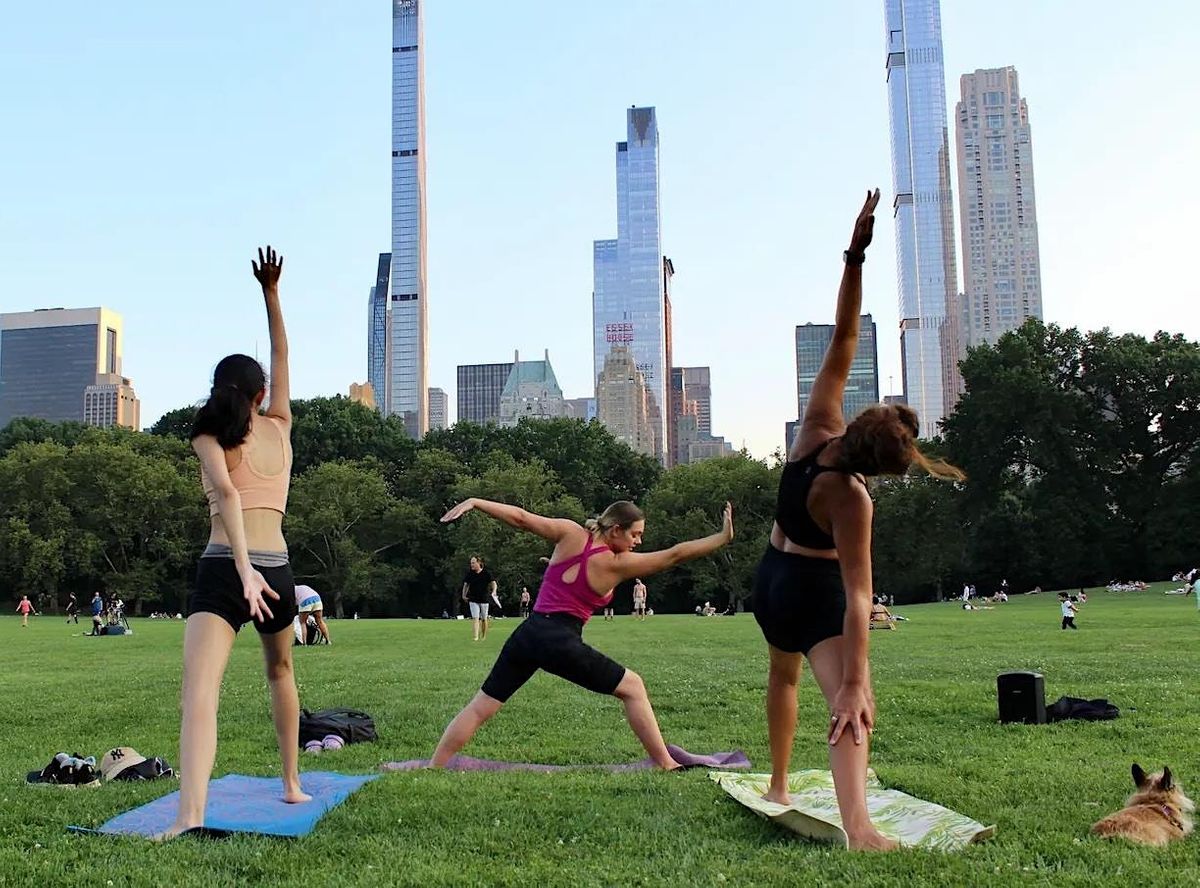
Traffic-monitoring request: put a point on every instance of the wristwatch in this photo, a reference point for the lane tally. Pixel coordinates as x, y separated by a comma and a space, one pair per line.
854, 258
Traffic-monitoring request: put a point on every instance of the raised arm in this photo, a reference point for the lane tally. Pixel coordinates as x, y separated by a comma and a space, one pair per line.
552, 529
824, 410
229, 507
267, 270
627, 565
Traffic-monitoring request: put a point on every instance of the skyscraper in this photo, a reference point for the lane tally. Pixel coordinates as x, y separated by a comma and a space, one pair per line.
407, 373
697, 382
49, 358
630, 289
623, 401
479, 390
439, 409
923, 210
997, 209
377, 330
111, 401
862, 386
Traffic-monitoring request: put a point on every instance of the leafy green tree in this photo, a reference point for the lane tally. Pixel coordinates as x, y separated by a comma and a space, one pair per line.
175, 423
686, 504
29, 430
337, 428
512, 556
342, 518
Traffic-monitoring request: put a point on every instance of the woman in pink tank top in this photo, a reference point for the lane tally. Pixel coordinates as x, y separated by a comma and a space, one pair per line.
586, 566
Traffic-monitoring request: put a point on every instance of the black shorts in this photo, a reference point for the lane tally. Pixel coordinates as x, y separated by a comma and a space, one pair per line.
553, 642
798, 601
219, 591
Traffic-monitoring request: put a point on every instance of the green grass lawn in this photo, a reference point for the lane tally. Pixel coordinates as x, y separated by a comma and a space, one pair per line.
937, 738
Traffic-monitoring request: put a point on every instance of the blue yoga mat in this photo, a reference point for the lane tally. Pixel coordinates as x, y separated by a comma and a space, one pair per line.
237, 803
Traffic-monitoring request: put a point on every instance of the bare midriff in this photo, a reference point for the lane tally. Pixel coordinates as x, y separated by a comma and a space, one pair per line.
264, 530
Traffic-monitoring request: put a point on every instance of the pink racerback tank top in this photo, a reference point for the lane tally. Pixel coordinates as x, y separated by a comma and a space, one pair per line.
577, 598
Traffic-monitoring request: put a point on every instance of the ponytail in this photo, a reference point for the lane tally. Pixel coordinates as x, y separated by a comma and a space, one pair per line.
226, 414
622, 514
938, 468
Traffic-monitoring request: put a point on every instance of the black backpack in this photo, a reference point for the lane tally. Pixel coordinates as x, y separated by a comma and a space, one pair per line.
1088, 710
351, 725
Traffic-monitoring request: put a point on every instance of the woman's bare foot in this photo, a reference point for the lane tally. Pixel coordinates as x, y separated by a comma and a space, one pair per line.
872, 840
294, 795
172, 831
778, 796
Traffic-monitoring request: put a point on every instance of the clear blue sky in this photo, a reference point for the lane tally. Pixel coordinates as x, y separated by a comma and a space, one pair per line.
149, 147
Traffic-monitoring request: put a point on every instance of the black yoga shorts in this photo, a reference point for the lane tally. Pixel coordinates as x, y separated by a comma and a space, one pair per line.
219, 591
798, 601
553, 642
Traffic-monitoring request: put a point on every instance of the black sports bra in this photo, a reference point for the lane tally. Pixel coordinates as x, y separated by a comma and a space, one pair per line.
791, 510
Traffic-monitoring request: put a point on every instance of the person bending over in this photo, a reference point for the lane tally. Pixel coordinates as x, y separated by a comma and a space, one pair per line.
586, 565
812, 588
308, 602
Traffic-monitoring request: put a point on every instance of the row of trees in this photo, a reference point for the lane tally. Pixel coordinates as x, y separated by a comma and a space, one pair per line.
1080, 452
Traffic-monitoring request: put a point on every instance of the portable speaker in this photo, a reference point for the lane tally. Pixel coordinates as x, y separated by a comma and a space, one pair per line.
1022, 697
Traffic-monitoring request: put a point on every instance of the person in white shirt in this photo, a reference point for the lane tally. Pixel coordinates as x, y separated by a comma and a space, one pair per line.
1068, 611
309, 602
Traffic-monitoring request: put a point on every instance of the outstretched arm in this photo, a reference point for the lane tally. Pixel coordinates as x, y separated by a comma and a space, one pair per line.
552, 529
627, 565
824, 411
267, 270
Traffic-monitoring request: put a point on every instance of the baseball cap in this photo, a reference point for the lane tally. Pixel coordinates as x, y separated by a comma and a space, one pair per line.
126, 763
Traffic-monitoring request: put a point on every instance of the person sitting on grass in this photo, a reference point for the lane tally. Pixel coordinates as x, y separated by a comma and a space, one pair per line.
881, 617
587, 564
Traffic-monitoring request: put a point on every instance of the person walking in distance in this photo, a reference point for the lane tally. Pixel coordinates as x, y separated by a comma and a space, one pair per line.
1067, 606
525, 602
478, 586
24, 608
812, 589
72, 608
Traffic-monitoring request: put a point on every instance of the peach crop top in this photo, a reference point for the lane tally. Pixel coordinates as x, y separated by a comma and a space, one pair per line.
258, 491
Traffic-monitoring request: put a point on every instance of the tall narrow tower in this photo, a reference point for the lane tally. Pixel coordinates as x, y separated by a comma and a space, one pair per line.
631, 287
924, 216
407, 375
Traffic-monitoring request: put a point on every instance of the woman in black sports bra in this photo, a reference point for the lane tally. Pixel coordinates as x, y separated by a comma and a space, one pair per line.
821, 547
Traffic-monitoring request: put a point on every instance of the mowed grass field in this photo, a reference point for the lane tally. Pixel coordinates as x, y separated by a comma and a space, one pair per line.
937, 738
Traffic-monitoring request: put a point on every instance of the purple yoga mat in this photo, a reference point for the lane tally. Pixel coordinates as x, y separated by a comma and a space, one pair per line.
735, 760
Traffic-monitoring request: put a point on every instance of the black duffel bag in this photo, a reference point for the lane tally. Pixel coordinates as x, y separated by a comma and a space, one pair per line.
352, 725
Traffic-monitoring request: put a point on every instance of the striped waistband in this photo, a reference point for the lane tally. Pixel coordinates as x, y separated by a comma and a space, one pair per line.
258, 557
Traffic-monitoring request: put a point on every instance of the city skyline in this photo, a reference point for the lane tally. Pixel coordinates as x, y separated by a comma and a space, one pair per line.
862, 385
756, 210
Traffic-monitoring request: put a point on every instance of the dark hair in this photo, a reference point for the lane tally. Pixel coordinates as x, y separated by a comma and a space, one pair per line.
622, 514
237, 382
882, 440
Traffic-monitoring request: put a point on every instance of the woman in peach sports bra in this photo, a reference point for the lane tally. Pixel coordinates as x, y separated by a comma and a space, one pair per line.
586, 565
243, 575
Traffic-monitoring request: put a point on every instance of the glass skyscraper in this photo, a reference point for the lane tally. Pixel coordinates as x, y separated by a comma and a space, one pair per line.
1002, 273
407, 371
629, 290
862, 387
377, 329
923, 210
479, 390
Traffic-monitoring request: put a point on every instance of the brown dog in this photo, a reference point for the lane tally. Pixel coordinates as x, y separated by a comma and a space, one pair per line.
1157, 813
